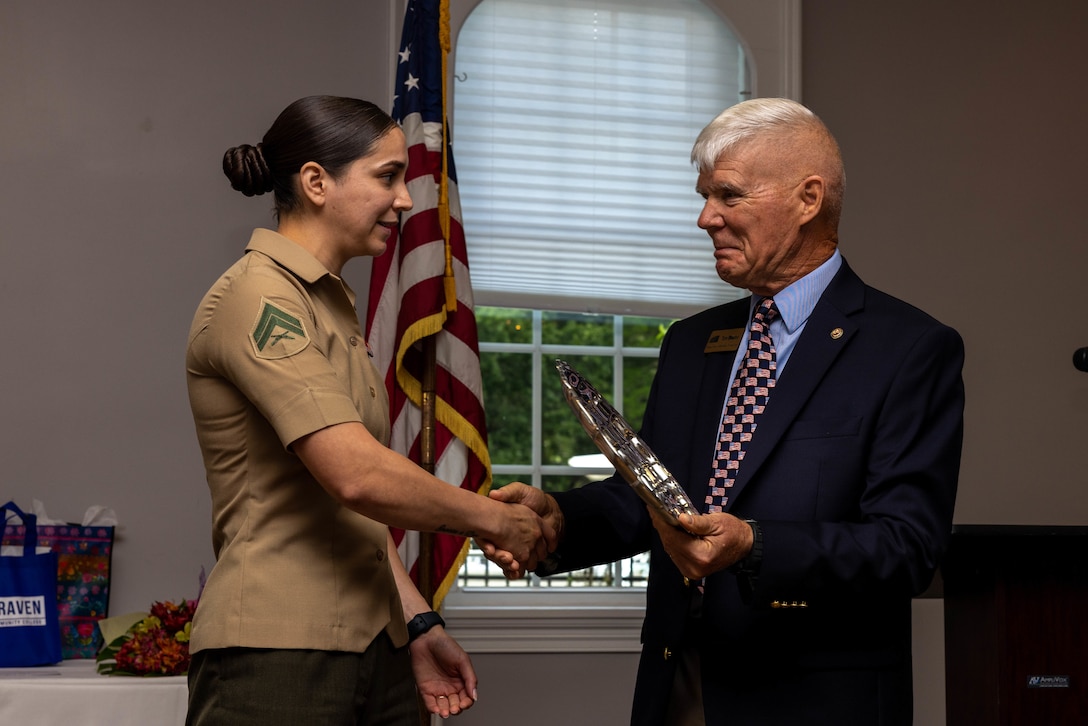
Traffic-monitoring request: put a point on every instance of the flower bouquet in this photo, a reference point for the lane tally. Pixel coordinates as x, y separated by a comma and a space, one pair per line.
148, 644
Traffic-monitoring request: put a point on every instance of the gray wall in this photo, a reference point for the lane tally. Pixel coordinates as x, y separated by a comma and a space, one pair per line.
962, 124
116, 217
962, 128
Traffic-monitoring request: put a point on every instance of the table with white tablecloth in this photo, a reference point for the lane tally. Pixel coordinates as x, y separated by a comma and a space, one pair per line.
72, 692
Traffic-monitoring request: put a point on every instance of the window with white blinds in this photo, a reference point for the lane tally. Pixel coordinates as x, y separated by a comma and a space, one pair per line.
573, 123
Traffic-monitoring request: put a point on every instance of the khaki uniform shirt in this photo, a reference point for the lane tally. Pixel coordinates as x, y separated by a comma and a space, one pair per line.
275, 352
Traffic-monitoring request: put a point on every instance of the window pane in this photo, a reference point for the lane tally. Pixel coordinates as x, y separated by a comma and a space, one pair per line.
632, 572
638, 374
508, 400
504, 325
563, 435
498, 481
576, 329
643, 332
478, 571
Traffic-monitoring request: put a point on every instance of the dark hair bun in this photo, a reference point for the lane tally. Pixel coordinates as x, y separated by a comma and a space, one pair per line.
247, 170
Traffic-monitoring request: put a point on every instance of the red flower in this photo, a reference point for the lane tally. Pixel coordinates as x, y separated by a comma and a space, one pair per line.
157, 645
173, 617
155, 651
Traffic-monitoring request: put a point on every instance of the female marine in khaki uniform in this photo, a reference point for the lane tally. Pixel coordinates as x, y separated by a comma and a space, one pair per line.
303, 618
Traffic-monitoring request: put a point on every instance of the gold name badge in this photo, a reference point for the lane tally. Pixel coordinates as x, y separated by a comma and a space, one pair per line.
724, 341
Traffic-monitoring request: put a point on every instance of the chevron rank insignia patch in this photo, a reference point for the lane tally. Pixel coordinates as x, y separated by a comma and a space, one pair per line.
277, 333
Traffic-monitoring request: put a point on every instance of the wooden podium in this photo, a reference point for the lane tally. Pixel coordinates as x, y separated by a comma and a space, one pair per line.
1016, 625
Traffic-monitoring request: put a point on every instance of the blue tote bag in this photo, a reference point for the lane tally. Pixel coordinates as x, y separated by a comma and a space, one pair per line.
29, 625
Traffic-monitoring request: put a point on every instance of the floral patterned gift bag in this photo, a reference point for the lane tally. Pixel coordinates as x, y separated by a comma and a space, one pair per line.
83, 580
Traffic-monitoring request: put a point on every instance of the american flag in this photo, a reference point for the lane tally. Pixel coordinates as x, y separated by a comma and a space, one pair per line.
420, 287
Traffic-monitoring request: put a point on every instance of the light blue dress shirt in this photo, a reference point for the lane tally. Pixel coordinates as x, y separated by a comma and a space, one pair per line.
795, 304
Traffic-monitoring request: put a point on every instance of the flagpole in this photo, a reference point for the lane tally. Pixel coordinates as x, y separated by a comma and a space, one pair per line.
425, 560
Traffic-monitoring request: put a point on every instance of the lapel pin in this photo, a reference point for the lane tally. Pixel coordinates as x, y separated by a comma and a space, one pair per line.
836, 333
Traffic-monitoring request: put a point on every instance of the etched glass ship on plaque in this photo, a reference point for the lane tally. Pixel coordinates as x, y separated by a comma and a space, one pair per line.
620, 444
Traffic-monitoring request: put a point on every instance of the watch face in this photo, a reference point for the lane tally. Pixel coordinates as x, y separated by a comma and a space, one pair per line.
615, 438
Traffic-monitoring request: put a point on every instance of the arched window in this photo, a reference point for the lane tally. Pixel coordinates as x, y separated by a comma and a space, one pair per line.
573, 125
573, 122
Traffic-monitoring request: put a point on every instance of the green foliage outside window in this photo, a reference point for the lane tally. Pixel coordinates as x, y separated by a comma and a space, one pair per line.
508, 390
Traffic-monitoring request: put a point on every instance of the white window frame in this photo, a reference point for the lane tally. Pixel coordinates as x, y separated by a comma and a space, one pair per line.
609, 620
542, 619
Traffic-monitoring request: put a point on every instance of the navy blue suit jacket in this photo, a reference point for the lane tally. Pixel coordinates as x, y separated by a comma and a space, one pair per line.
852, 475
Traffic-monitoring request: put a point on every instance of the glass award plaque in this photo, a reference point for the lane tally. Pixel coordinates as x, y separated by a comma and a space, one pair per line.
620, 444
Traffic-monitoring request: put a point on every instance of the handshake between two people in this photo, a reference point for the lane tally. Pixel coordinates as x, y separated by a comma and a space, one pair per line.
702, 545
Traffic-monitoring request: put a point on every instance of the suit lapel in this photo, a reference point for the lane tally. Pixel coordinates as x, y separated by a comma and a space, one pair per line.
827, 333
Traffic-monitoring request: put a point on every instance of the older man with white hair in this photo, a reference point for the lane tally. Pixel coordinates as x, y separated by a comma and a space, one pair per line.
822, 448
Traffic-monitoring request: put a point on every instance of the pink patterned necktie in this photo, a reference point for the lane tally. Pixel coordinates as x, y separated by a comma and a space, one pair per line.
747, 398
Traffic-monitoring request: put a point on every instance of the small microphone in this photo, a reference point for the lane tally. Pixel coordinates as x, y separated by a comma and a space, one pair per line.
1080, 359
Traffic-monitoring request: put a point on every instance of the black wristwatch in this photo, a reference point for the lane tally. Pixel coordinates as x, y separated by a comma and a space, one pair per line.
423, 622
749, 566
